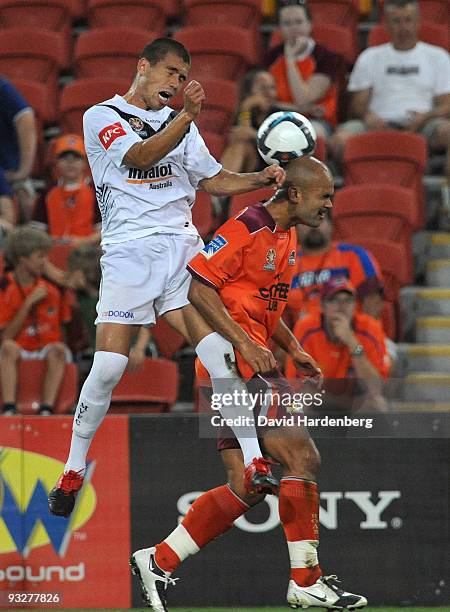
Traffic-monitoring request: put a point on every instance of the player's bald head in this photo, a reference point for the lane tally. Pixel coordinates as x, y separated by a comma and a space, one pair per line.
305, 173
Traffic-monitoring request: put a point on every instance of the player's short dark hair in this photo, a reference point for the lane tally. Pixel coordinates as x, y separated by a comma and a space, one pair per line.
157, 50
301, 3
399, 3
24, 241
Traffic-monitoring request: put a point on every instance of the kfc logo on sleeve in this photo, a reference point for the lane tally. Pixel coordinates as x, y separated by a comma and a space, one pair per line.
109, 134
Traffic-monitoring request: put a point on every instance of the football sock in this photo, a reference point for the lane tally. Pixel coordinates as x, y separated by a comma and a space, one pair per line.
299, 515
217, 355
211, 515
93, 404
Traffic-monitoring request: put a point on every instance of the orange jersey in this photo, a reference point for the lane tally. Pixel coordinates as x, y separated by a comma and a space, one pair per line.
250, 261
68, 213
335, 359
313, 271
42, 326
320, 61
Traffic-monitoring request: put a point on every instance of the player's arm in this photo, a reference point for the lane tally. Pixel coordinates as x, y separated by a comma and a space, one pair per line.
144, 155
302, 360
210, 306
227, 183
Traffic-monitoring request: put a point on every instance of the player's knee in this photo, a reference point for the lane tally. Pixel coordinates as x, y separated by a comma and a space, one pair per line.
9, 350
217, 355
107, 370
301, 460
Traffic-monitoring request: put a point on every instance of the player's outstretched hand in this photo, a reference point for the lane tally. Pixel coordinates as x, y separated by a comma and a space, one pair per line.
273, 175
194, 95
308, 367
257, 356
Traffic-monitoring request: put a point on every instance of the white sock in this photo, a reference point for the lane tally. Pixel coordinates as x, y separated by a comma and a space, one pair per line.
93, 404
303, 553
217, 355
181, 542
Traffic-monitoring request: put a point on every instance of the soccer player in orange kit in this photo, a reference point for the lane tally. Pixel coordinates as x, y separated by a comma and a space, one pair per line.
240, 284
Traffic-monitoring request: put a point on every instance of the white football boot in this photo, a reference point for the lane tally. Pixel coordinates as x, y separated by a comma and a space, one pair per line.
325, 593
154, 581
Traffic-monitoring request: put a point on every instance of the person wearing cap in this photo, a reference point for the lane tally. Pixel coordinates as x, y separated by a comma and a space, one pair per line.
346, 344
320, 259
68, 211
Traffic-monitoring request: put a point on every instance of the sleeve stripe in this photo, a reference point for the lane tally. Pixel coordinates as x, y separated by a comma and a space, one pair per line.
201, 278
363, 255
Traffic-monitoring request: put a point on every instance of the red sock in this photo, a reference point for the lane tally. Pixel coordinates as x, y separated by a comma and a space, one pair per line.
299, 515
212, 514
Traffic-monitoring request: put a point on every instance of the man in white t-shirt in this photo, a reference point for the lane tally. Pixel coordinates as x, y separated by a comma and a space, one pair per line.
147, 162
403, 84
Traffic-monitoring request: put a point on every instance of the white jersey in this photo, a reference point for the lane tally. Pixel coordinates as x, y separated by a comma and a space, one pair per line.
136, 203
401, 81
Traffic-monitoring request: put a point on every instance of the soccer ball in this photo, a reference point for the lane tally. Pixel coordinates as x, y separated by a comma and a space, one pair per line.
284, 136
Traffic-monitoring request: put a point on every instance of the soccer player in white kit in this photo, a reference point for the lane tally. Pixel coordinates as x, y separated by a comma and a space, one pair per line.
147, 162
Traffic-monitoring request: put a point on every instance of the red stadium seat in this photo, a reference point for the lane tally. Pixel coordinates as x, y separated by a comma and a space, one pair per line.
321, 149
78, 96
31, 375
245, 14
432, 33
215, 143
238, 202
391, 157
219, 108
53, 15
334, 37
394, 267
59, 254
33, 54
218, 52
167, 339
148, 15
340, 12
431, 11
202, 214
39, 98
361, 212
154, 386
77, 8
110, 51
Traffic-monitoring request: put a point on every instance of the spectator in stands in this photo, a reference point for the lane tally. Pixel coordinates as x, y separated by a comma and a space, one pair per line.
32, 310
403, 84
370, 294
258, 99
305, 72
69, 211
319, 259
346, 344
18, 141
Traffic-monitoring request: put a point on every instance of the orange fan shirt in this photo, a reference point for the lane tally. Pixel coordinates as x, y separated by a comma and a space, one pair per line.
250, 261
335, 359
313, 271
68, 212
320, 61
43, 323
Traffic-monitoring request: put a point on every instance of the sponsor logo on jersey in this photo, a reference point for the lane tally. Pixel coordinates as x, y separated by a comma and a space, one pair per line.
156, 174
277, 292
291, 259
271, 255
109, 134
25, 522
121, 314
213, 246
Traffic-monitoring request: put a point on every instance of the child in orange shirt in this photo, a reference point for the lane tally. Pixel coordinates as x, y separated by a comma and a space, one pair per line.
32, 310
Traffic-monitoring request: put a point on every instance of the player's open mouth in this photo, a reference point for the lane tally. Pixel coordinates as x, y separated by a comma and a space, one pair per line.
321, 214
164, 96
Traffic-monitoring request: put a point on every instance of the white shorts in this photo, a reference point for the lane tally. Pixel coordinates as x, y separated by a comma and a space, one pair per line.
42, 353
145, 277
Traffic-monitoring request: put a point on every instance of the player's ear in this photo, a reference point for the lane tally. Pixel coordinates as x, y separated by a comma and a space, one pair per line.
292, 193
141, 65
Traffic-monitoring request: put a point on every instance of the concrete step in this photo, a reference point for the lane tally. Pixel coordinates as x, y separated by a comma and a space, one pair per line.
422, 358
427, 387
433, 330
438, 273
428, 245
439, 245
411, 406
422, 302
